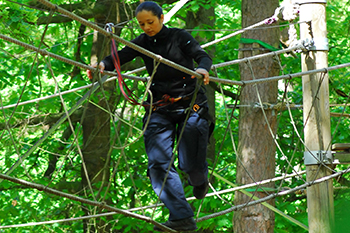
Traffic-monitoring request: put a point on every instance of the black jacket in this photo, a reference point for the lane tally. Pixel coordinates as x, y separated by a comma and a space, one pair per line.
176, 45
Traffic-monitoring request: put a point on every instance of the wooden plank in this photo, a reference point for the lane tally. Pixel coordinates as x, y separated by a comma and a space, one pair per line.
341, 158
341, 147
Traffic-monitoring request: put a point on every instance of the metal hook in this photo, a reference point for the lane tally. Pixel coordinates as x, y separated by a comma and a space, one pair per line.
109, 27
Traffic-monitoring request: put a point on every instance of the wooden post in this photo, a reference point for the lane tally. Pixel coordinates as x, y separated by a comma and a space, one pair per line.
317, 116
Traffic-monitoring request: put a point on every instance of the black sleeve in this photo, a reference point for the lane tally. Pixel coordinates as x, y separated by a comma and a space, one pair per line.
125, 55
192, 48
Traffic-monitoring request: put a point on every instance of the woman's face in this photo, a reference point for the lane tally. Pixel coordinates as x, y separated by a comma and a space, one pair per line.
149, 22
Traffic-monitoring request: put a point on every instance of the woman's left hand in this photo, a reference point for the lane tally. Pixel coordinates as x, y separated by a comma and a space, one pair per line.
205, 74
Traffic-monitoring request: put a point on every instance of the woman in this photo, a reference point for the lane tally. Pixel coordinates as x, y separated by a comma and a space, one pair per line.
167, 121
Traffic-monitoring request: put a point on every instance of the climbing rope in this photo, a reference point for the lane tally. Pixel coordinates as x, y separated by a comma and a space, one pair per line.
274, 195
130, 214
285, 176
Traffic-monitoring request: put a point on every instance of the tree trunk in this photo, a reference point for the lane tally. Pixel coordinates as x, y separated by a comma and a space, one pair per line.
256, 148
97, 124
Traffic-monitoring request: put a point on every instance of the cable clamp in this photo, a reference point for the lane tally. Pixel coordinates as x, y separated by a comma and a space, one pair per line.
264, 105
312, 44
308, 44
302, 45
319, 44
256, 105
318, 157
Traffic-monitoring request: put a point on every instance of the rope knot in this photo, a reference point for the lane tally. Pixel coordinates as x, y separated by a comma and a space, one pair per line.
289, 12
158, 58
286, 12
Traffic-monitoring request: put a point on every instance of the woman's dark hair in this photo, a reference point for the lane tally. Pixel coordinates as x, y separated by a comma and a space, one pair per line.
150, 6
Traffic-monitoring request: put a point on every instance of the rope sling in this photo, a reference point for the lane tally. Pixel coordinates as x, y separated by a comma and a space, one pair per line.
127, 93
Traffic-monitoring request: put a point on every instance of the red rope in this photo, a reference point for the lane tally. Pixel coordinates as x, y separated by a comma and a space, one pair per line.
128, 94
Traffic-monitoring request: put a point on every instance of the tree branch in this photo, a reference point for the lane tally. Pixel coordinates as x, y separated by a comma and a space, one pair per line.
83, 9
343, 181
46, 119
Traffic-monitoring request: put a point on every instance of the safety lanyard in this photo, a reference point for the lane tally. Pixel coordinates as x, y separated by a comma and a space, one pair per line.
127, 93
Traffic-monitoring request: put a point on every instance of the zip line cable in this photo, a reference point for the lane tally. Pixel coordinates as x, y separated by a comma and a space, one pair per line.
117, 26
299, 46
231, 82
213, 79
83, 66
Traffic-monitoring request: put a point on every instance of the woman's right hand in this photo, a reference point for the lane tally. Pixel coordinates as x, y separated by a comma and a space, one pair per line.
101, 66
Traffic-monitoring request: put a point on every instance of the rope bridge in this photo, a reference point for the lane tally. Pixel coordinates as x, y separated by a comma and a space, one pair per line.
296, 46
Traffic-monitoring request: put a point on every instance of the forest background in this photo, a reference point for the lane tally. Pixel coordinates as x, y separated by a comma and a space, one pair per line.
57, 161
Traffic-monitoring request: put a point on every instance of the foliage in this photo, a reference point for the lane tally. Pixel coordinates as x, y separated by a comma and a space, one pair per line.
26, 75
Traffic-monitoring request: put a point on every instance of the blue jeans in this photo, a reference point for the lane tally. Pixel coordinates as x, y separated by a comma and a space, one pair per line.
162, 131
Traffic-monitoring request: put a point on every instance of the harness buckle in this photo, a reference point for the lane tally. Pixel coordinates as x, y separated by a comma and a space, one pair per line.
196, 107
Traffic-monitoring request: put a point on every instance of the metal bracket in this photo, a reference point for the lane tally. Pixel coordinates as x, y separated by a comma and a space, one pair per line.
308, 44
316, 44
320, 44
318, 157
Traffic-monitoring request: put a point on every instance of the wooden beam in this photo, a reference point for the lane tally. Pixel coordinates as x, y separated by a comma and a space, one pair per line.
341, 158
317, 115
341, 147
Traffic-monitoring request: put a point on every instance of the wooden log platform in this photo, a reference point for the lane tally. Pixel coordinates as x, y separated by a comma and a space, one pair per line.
341, 152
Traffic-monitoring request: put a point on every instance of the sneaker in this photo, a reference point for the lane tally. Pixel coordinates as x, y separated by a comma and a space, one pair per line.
200, 191
187, 224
